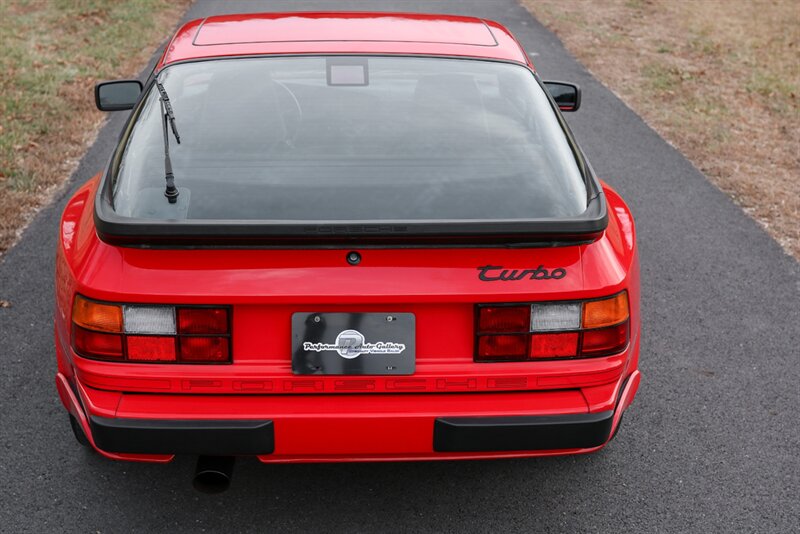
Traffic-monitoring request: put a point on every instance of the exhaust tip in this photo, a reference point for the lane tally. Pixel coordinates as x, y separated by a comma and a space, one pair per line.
213, 474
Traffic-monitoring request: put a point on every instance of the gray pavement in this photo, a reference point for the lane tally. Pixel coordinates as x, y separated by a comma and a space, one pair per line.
711, 443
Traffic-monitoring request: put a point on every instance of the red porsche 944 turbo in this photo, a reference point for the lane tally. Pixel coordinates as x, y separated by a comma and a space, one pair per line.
345, 237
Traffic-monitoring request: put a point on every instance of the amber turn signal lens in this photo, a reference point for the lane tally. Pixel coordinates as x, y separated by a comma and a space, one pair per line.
606, 312
96, 316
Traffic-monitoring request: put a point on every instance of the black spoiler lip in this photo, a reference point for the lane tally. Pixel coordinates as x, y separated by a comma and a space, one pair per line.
126, 231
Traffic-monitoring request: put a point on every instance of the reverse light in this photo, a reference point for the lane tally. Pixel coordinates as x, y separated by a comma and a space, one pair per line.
558, 317
149, 319
553, 330
151, 334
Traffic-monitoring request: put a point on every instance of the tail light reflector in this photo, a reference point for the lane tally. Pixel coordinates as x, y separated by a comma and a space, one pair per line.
552, 330
202, 320
504, 319
607, 340
554, 345
502, 347
204, 349
151, 348
98, 344
147, 333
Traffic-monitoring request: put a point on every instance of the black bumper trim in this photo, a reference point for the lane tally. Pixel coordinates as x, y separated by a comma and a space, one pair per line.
521, 433
184, 436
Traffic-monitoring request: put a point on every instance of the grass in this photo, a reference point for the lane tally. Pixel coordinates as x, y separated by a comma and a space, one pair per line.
53, 52
719, 79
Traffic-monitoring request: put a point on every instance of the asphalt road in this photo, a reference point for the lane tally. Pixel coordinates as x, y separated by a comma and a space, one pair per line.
711, 443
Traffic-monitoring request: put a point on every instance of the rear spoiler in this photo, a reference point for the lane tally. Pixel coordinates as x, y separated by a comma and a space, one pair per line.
126, 231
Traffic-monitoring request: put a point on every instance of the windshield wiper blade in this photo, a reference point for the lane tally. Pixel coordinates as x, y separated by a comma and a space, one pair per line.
167, 115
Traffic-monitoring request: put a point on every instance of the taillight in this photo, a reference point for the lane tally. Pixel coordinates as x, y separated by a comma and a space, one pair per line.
151, 334
502, 347
202, 320
204, 349
552, 330
504, 318
607, 340
97, 316
98, 344
151, 348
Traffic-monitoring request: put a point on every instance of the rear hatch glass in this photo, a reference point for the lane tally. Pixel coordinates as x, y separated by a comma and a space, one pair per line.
350, 139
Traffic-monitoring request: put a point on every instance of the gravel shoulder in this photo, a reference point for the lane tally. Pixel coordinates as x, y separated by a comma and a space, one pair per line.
719, 80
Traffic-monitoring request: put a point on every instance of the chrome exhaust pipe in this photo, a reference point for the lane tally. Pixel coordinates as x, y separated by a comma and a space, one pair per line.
213, 473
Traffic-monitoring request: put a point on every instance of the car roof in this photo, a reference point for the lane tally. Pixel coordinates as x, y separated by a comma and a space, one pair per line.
342, 33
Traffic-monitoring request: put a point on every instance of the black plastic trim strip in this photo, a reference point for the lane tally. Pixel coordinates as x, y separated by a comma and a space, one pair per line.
522, 433
204, 437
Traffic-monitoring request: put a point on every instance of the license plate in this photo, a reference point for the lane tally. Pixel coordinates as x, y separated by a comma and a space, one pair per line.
353, 343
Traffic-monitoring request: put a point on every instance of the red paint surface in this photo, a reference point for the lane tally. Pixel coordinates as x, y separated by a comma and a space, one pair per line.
339, 418
342, 33
265, 287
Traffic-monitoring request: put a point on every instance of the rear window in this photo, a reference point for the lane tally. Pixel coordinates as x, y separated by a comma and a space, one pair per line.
351, 139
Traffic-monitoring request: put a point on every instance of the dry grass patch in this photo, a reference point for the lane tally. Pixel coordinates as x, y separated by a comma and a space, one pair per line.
53, 51
718, 79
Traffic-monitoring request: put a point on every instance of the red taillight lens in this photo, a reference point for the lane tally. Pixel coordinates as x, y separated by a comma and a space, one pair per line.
609, 340
151, 348
202, 321
151, 333
502, 347
204, 349
504, 318
97, 344
551, 330
554, 345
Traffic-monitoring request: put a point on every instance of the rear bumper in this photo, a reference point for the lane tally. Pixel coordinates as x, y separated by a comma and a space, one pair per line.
181, 436
458, 434
347, 428
534, 433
